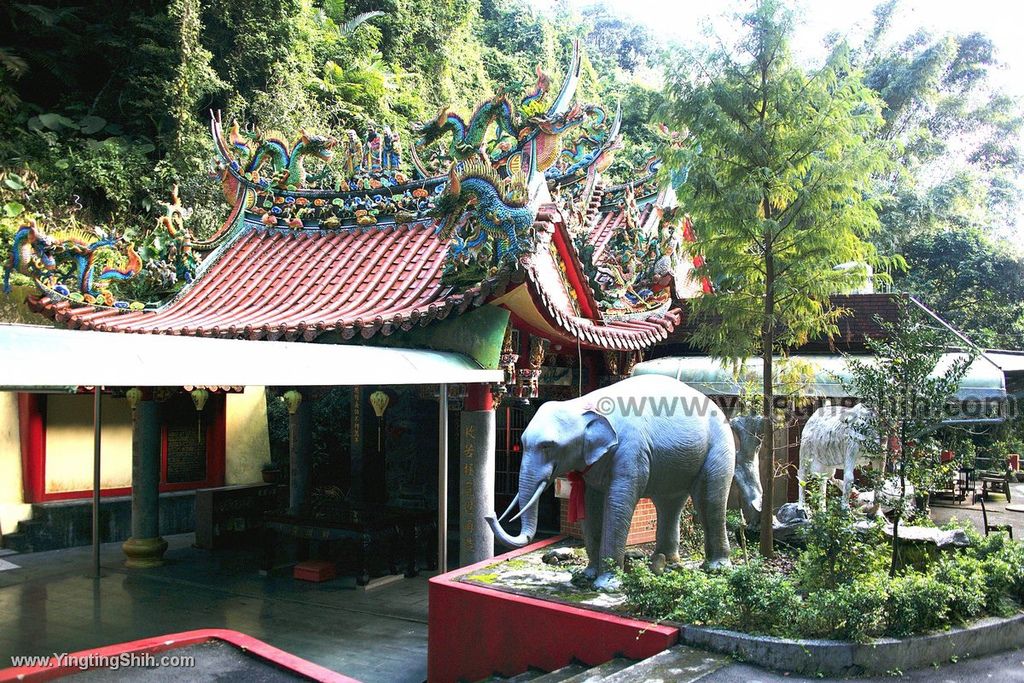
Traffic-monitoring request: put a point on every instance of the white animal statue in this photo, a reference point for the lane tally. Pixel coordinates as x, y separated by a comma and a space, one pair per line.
834, 437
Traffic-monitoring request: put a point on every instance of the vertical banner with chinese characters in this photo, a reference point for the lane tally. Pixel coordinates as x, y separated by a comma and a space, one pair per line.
356, 445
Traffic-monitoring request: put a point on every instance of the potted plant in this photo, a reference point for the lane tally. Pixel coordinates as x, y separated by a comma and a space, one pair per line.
273, 473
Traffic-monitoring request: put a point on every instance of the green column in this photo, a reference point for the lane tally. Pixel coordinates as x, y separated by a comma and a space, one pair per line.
145, 548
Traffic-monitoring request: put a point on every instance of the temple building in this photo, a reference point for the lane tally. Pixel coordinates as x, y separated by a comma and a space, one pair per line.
496, 238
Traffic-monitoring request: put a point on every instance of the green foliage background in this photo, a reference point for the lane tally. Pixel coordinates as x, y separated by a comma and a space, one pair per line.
110, 101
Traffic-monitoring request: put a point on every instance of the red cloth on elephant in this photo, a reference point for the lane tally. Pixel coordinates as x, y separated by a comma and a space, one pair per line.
577, 490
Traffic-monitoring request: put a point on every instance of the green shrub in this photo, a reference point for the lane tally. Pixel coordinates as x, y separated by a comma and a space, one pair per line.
965, 577
837, 552
654, 596
916, 603
767, 600
709, 601
853, 612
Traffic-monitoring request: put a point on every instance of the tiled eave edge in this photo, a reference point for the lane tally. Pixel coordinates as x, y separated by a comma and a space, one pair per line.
622, 335
365, 327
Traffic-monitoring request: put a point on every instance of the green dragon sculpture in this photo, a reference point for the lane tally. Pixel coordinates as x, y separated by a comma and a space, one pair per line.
487, 221
527, 135
285, 159
469, 138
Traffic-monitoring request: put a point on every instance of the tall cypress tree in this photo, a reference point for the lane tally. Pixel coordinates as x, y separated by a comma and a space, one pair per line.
779, 192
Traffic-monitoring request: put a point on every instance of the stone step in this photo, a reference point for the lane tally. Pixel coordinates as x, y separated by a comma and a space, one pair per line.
18, 542
680, 664
528, 675
601, 671
565, 673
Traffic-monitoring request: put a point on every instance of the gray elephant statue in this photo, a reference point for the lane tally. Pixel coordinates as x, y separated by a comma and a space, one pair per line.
648, 436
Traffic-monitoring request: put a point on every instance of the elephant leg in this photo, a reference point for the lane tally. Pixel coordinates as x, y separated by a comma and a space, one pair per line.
619, 504
848, 478
667, 536
828, 472
710, 498
593, 501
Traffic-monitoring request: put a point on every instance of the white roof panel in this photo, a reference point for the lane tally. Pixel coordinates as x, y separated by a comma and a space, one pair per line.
36, 357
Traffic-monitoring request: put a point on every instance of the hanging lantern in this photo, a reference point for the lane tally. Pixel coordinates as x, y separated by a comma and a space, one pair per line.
379, 400
292, 399
199, 398
134, 395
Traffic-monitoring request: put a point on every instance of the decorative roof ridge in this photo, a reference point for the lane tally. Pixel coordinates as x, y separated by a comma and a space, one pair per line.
567, 245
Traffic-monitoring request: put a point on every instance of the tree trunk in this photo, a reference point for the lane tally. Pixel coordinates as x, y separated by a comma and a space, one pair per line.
768, 450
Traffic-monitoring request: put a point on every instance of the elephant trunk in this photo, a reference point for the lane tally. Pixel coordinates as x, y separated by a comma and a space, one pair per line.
528, 513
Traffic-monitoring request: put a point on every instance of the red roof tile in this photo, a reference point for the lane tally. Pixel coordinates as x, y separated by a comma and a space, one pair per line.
272, 283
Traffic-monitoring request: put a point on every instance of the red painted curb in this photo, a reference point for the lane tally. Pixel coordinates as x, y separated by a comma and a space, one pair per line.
474, 631
251, 646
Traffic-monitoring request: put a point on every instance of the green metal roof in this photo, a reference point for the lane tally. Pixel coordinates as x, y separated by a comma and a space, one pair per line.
984, 379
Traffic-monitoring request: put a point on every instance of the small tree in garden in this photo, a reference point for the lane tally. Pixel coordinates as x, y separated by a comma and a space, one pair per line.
779, 192
909, 399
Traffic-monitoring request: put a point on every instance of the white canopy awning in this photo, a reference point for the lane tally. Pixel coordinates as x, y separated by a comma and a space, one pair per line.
45, 358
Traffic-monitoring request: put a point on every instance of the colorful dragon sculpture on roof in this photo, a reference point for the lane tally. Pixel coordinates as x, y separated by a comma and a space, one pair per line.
640, 262
526, 133
70, 258
487, 221
272, 153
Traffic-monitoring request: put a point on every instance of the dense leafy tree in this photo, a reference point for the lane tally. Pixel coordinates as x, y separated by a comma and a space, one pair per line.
976, 283
778, 192
956, 141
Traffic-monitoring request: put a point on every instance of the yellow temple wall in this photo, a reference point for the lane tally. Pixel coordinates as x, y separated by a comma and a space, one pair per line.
248, 439
13, 508
69, 443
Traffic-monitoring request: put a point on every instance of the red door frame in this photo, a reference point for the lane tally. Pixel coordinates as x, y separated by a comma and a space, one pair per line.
32, 426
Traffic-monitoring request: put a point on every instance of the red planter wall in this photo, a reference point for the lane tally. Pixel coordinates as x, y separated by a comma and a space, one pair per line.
474, 631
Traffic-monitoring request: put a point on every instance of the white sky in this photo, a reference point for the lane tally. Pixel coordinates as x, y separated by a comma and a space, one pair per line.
1001, 20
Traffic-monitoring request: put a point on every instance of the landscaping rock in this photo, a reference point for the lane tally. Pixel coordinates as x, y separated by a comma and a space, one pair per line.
792, 513
791, 517
636, 555
559, 556
940, 538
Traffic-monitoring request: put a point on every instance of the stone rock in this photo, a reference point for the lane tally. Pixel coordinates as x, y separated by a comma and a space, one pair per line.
558, 556
635, 554
791, 513
789, 520
940, 538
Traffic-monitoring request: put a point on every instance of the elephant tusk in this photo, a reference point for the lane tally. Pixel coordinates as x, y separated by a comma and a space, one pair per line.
533, 501
515, 499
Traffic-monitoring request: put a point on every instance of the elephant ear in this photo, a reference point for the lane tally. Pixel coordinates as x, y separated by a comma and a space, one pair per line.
598, 437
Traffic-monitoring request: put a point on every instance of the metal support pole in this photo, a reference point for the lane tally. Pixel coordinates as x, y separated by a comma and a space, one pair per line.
97, 415
442, 478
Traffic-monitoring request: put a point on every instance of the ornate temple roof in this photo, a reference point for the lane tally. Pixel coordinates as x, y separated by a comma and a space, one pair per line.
373, 251
273, 283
